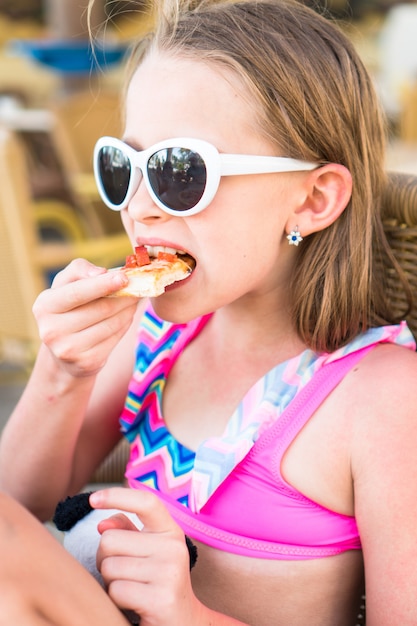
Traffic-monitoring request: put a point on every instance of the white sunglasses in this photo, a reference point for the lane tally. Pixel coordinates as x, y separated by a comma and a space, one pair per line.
181, 175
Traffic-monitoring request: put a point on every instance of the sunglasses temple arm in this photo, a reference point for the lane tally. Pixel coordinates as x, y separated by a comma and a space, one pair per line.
234, 164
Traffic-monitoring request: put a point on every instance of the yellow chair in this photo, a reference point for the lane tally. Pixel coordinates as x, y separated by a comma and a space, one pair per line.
408, 115
80, 119
27, 261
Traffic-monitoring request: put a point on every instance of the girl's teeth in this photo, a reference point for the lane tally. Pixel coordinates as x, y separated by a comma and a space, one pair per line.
153, 250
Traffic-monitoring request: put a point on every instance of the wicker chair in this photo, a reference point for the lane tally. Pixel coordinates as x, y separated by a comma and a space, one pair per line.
408, 115
399, 212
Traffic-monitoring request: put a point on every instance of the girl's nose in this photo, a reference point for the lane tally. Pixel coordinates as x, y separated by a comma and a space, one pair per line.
142, 208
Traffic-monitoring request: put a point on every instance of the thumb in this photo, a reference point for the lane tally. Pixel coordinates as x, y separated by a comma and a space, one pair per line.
120, 521
143, 504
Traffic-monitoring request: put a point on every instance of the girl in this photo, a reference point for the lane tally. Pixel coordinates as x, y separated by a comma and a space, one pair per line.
271, 407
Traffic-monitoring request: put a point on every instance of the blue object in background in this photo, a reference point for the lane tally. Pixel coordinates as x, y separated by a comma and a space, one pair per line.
73, 56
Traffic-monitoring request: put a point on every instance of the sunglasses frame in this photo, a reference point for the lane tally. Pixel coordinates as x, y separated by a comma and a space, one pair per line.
217, 165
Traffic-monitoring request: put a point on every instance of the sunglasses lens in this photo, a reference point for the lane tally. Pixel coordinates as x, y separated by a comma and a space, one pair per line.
115, 171
177, 177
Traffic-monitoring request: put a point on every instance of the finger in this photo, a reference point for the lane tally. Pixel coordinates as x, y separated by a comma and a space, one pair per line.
74, 296
92, 322
118, 521
78, 268
79, 337
126, 593
146, 505
84, 290
80, 354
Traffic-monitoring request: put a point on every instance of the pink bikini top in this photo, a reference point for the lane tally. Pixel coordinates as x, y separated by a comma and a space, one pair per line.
231, 494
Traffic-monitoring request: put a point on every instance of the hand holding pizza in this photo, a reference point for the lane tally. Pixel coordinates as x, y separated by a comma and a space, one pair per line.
77, 322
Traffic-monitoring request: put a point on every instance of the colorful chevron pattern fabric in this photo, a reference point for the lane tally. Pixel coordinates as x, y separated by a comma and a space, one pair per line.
159, 461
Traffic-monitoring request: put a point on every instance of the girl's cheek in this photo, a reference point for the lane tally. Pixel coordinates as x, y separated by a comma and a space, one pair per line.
128, 225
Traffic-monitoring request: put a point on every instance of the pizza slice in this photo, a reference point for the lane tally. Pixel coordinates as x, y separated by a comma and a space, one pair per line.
149, 275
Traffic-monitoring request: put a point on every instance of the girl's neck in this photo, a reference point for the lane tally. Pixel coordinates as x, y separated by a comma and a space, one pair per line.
267, 335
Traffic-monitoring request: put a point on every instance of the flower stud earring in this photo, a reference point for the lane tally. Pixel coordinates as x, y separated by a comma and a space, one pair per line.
294, 237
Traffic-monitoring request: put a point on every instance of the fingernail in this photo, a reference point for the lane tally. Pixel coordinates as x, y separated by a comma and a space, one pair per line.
95, 498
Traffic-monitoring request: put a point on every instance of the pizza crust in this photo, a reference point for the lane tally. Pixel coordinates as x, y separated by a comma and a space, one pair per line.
149, 281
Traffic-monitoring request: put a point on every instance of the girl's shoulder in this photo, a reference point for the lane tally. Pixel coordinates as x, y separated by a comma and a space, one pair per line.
389, 370
382, 397
380, 390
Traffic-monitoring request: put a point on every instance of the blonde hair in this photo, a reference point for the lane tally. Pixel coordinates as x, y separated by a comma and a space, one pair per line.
316, 101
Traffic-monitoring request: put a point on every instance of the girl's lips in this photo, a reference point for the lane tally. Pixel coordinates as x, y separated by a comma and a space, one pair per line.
178, 283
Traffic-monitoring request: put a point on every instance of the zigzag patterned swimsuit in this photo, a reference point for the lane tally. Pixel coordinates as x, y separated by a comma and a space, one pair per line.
230, 493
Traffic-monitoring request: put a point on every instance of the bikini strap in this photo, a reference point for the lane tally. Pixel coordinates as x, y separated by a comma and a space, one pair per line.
306, 402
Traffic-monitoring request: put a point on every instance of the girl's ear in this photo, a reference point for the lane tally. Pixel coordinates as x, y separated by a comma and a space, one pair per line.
327, 192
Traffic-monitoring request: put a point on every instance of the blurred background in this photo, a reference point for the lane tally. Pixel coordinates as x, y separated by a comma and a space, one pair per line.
57, 96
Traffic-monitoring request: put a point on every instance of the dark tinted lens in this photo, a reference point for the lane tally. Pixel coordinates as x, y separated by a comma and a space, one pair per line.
114, 168
178, 177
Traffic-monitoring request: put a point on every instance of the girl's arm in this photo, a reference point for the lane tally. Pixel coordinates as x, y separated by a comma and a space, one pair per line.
66, 420
40, 582
384, 462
